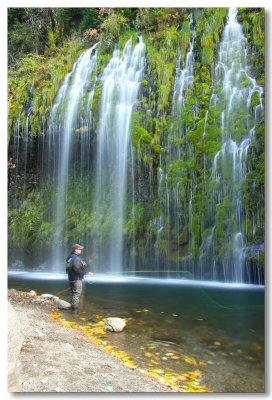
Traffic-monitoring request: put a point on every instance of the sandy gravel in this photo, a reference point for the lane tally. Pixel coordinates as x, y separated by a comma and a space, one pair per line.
55, 358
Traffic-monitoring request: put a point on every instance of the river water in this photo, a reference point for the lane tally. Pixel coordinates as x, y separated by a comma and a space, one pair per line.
209, 334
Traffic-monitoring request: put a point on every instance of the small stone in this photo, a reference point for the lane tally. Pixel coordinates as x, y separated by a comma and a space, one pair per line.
46, 296
69, 347
113, 324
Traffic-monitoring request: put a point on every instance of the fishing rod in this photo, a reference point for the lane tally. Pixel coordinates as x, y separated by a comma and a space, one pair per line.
55, 295
143, 271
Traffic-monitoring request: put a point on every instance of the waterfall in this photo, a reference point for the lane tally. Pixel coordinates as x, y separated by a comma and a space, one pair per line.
16, 154
222, 253
162, 179
234, 88
69, 119
171, 190
121, 82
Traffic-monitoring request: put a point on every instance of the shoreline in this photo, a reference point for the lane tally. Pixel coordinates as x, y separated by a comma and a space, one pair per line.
55, 358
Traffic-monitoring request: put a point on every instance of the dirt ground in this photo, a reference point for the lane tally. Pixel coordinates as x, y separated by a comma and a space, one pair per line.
55, 358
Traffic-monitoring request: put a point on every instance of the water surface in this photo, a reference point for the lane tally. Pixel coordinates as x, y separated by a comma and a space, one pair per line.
215, 332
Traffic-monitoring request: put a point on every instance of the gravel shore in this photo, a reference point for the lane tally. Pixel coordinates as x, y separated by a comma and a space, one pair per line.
54, 358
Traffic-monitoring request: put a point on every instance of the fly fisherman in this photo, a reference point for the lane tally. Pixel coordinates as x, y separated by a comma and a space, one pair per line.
76, 269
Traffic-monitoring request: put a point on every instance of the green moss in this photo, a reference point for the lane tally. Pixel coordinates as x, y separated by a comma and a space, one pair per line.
44, 74
181, 140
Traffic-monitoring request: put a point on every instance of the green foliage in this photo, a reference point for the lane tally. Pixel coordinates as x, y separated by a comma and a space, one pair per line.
209, 25
90, 18
110, 31
146, 144
28, 30
181, 141
26, 222
146, 20
253, 21
42, 74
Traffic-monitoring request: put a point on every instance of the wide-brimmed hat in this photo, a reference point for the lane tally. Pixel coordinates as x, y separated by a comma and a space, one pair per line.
77, 247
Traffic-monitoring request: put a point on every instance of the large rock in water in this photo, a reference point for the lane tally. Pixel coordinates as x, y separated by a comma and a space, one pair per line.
114, 324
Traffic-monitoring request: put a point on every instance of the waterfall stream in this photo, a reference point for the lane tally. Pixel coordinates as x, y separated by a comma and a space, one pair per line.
171, 195
233, 88
232, 76
121, 82
68, 117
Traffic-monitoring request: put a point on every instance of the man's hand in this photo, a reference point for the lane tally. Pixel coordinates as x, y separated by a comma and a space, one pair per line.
90, 273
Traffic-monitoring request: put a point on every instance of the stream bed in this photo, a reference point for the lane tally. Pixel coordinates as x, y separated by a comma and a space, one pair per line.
195, 335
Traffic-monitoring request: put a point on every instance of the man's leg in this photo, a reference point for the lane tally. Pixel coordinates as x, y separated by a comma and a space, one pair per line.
76, 290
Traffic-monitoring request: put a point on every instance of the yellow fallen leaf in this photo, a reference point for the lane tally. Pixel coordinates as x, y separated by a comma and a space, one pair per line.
126, 359
189, 360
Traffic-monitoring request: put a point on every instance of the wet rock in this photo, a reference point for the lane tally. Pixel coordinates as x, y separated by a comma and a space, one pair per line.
113, 324
254, 250
61, 303
46, 296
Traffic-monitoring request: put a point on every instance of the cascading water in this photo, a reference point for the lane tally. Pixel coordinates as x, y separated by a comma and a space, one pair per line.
121, 82
196, 221
233, 89
222, 254
171, 195
70, 116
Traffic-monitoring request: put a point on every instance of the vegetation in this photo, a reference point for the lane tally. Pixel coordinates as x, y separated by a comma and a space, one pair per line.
178, 142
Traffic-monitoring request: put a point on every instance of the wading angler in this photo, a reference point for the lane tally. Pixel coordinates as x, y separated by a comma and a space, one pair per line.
76, 268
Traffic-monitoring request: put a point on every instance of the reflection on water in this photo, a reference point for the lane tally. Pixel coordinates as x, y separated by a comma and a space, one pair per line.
207, 333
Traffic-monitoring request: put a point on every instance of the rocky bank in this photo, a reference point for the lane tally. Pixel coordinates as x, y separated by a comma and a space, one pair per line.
44, 356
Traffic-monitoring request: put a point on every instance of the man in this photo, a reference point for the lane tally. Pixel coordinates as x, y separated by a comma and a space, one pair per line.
76, 269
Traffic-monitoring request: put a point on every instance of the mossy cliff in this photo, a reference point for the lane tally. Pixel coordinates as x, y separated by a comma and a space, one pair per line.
171, 212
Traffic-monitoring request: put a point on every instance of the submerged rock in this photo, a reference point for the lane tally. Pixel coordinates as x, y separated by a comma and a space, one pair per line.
113, 324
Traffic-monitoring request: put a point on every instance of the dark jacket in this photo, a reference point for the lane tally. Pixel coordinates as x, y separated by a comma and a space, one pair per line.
75, 267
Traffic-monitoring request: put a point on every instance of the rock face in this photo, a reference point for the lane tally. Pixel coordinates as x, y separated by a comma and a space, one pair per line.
113, 324
15, 341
